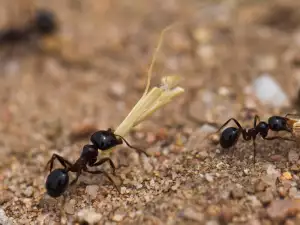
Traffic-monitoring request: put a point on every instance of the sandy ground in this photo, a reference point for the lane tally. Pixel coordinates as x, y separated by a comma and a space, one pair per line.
54, 92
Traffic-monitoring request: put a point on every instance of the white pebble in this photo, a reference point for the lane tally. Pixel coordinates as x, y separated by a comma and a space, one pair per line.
209, 177
268, 91
92, 190
206, 128
28, 191
118, 217
118, 89
89, 216
123, 190
3, 218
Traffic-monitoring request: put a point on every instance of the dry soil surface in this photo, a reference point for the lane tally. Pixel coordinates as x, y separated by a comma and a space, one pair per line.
54, 92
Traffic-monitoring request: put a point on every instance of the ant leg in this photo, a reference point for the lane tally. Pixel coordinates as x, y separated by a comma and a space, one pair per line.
101, 161
279, 138
130, 146
256, 119
254, 151
105, 174
76, 178
291, 114
234, 120
64, 162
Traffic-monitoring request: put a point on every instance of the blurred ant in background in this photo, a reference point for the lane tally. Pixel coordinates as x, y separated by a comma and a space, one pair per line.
58, 179
230, 135
43, 23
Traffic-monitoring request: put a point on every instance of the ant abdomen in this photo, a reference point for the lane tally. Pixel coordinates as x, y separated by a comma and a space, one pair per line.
229, 137
57, 182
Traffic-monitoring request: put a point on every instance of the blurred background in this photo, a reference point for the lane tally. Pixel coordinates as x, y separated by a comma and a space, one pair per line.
92, 63
69, 67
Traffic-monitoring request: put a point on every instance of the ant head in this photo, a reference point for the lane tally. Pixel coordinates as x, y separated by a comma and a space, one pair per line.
262, 128
90, 152
278, 123
45, 22
105, 139
229, 137
57, 182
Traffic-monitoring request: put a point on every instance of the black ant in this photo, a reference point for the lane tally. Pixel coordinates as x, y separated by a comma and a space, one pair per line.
58, 179
230, 135
43, 23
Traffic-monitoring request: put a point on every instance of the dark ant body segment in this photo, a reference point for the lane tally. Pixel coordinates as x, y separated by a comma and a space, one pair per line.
57, 182
278, 123
43, 23
230, 135
106, 139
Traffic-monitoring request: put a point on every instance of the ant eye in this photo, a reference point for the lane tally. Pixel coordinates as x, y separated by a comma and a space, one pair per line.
229, 137
57, 182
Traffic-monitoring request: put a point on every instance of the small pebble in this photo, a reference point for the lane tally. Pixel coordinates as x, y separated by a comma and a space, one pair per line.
209, 178
254, 201
237, 193
260, 186
268, 91
286, 176
191, 214
265, 197
123, 190
282, 191
206, 128
92, 190
202, 155
4, 219
293, 156
226, 215
246, 171
89, 216
117, 89
28, 192
295, 168
118, 217
70, 206
213, 210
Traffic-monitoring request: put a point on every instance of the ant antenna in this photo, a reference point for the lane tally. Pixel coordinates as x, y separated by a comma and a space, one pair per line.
130, 146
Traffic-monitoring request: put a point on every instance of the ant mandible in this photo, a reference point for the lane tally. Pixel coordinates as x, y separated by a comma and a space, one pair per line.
58, 179
230, 135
